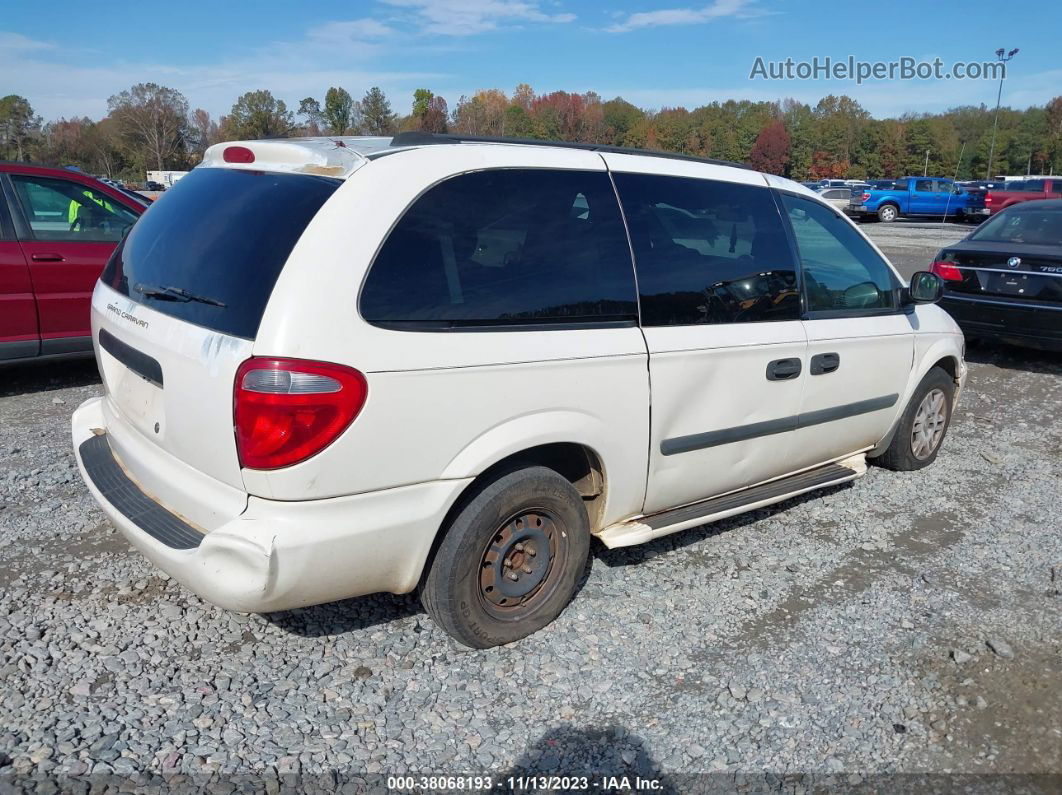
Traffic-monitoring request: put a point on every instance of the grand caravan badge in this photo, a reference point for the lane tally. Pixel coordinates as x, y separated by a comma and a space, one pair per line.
127, 316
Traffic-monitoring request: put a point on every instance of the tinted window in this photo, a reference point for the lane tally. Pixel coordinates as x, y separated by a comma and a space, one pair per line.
219, 235
509, 246
900, 184
1022, 225
924, 185
63, 210
1035, 185
708, 252
841, 270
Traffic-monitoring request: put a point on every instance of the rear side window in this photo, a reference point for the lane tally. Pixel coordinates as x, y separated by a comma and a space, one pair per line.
708, 252
505, 247
211, 248
842, 272
60, 210
1035, 185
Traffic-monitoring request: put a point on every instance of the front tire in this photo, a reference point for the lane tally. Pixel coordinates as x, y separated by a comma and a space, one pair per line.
510, 560
887, 213
923, 426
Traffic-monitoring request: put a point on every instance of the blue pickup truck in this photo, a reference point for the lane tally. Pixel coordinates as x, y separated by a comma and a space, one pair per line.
911, 196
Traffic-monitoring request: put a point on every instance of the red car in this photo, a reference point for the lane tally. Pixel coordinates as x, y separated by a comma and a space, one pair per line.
57, 230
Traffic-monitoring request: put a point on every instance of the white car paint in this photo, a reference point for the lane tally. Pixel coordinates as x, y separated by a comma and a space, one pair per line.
361, 515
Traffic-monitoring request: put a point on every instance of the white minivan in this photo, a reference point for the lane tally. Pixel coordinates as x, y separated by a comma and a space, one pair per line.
340, 366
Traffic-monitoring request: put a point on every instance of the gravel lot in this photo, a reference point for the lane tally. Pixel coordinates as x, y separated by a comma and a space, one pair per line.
908, 622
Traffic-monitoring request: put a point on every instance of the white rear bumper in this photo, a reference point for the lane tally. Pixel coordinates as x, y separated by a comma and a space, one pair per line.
281, 555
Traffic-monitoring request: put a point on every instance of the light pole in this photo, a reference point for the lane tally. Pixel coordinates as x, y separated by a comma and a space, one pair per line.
1002, 56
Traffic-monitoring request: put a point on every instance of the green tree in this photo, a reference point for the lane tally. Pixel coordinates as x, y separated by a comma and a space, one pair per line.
377, 118
258, 114
152, 121
19, 127
310, 109
339, 111
619, 117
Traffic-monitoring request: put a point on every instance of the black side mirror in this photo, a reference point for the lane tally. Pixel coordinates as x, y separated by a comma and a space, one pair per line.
926, 288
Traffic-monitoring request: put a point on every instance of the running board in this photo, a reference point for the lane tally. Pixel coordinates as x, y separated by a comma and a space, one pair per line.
646, 528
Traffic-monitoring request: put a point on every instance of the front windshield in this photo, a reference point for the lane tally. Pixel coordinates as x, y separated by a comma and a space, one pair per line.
1040, 227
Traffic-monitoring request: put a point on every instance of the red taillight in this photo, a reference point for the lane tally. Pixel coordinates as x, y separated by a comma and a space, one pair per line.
988, 199
865, 197
287, 410
946, 271
238, 154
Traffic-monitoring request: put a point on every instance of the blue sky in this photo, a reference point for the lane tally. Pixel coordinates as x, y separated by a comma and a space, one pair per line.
654, 53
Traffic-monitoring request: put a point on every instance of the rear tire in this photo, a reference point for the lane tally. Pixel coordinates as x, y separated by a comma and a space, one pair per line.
923, 426
510, 560
887, 213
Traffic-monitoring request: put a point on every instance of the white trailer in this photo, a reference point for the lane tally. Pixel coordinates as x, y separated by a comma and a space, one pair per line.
167, 178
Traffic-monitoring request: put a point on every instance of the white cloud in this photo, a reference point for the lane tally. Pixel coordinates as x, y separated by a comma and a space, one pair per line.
685, 16
467, 17
335, 54
16, 42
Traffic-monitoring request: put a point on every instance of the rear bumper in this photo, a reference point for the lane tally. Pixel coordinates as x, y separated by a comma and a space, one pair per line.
1023, 323
978, 211
275, 555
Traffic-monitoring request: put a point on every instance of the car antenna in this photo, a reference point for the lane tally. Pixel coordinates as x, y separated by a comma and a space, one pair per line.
947, 204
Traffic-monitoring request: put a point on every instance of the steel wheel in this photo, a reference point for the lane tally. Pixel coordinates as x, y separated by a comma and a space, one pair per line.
929, 422
516, 569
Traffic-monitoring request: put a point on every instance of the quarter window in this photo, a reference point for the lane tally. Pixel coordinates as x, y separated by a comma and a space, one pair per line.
707, 251
506, 247
61, 210
842, 272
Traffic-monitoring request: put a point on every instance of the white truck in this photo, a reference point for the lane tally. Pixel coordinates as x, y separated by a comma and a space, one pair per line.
166, 178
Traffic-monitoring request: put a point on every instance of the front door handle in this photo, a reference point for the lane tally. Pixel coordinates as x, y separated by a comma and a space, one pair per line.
47, 257
822, 363
783, 369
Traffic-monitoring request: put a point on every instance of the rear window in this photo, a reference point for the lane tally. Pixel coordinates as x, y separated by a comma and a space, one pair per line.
1022, 225
211, 248
506, 247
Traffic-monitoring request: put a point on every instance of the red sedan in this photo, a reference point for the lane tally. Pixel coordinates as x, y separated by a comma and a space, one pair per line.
57, 230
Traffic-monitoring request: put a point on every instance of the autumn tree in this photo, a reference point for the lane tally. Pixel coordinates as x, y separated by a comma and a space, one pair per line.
429, 112
770, 152
258, 114
205, 131
153, 122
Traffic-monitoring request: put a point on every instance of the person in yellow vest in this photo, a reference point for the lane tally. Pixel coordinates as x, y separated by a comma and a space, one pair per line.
75, 205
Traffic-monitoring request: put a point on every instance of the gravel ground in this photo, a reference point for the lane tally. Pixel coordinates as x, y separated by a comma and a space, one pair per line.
905, 623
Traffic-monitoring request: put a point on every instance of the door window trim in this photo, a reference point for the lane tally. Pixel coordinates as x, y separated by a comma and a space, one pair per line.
23, 229
898, 307
17, 225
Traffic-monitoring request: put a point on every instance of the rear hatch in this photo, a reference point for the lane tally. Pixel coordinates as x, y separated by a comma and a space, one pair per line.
177, 309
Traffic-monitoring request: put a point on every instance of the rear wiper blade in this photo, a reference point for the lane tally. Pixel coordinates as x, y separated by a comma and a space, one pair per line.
166, 293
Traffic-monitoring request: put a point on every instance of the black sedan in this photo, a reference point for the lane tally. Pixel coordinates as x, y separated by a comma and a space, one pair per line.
1004, 280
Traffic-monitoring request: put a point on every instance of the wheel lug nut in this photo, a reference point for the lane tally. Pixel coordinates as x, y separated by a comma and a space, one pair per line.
526, 569
519, 547
513, 576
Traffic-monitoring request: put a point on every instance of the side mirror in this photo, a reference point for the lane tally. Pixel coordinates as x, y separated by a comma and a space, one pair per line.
926, 288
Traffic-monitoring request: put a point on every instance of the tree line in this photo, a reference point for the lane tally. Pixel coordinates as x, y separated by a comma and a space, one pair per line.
150, 126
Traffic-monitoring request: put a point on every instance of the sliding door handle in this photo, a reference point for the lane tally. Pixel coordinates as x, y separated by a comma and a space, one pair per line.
783, 369
823, 363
